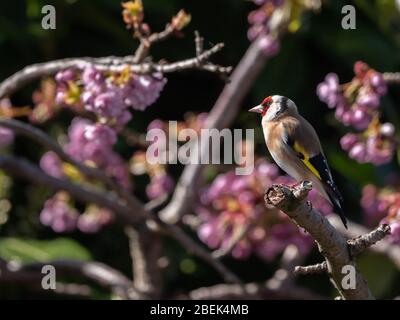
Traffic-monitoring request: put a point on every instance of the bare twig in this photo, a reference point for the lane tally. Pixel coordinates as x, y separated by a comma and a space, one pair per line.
355, 230
392, 77
101, 274
312, 269
361, 243
330, 242
39, 70
236, 237
199, 42
145, 43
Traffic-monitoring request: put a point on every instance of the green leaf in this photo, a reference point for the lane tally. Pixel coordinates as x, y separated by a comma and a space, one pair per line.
28, 250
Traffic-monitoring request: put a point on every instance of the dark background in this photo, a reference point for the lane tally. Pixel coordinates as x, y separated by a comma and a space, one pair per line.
95, 28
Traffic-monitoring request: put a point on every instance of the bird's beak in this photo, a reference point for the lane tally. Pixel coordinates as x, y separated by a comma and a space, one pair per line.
257, 109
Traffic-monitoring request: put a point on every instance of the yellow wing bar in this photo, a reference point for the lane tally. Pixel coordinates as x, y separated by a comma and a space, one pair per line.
306, 159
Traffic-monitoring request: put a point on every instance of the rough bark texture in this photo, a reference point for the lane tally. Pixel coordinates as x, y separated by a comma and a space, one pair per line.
331, 243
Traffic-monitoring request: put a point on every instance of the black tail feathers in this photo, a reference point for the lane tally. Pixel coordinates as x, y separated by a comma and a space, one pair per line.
337, 207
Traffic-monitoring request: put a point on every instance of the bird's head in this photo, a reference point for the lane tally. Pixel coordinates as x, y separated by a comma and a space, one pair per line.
274, 107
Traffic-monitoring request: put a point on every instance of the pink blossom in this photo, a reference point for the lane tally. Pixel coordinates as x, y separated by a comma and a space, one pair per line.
233, 204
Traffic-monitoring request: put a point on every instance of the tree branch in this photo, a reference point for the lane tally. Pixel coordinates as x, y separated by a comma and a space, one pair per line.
23, 169
255, 291
145, 43
112, 63
221, 116
331, 243
312, 269
123, 211
284, 277
385, 247
47, 142
99, 273
392, 77
361, 243
145, 250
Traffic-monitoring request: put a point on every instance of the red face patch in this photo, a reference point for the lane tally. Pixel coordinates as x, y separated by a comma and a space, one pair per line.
266, 104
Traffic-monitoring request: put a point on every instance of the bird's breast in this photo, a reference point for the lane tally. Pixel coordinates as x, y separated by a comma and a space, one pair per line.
279, 150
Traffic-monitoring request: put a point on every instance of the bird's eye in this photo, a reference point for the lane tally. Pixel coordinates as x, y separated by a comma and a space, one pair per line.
267, 102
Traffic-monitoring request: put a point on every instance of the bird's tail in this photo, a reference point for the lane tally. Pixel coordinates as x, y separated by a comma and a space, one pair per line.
337, 206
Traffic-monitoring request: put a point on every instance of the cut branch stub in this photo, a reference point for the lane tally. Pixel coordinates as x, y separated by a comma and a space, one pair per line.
332, 245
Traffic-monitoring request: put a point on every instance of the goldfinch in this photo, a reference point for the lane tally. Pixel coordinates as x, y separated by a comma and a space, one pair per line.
295, 147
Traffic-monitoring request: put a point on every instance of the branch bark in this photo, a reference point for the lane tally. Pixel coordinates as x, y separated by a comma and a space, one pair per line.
355, 230
392, 77
145, 249
129, 212
111, 63
331, 243
29, 131
221, 116
25, 170
313, 269
99, 273
255, 291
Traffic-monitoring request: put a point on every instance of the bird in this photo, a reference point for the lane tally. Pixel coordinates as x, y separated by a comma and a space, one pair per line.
295, 147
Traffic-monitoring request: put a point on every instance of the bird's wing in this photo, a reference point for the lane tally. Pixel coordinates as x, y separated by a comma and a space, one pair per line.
302, 139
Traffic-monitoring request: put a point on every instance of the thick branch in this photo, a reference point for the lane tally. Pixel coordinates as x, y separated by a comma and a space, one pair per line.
330, 242
130, 213
221, 116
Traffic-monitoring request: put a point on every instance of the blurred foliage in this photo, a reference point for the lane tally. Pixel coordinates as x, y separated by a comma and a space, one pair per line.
95, 28
30, 250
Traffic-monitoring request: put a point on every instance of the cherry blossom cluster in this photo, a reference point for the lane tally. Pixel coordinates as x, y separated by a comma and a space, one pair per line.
259, 21
375, 145
91, 143
6, 135
109, 96
233, 215
382, 206
60, 214
357, 104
